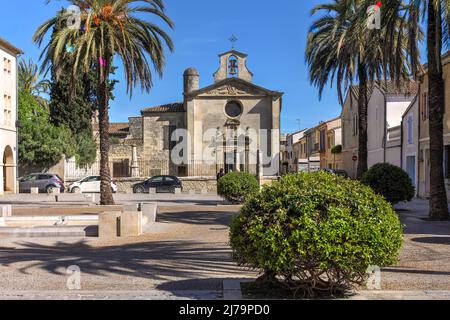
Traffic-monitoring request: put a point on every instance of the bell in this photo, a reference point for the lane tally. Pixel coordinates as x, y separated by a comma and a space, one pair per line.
233, 67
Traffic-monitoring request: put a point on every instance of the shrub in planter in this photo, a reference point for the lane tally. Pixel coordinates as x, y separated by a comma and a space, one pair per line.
316, 232
391, 182
237, 186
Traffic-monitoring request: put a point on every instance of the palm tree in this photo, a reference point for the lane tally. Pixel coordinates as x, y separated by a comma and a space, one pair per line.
341, 48
109, 29
28, 74
436, 13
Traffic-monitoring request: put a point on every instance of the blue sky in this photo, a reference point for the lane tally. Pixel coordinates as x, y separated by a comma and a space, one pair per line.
272, 33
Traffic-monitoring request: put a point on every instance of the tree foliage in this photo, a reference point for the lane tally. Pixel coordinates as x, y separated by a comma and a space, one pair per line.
41, 144
316, 233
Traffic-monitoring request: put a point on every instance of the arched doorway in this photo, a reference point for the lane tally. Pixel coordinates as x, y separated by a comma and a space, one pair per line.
8, 170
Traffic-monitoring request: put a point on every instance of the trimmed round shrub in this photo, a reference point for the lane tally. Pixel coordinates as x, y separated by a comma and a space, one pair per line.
316, 232
391, 182
236, 187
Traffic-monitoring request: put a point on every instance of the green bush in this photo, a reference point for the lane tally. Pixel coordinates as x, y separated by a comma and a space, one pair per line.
391, 182
316, 232
237, 186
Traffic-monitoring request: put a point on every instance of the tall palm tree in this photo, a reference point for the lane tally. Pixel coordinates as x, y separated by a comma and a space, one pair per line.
436, 13
109, 29
28, 74
341, 48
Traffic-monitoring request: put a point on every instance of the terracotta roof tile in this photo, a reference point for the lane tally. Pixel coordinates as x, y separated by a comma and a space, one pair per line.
171, 107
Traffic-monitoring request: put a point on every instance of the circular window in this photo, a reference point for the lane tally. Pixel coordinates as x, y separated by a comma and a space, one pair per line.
233, 109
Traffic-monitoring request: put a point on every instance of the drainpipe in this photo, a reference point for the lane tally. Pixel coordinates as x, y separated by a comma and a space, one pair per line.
385, 130
17, 125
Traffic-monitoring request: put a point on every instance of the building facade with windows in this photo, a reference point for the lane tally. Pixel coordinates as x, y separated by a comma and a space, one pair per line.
8, 117
386, 106
422, 126
410, 142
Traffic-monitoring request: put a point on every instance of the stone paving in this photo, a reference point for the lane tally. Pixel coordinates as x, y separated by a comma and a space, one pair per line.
187, 257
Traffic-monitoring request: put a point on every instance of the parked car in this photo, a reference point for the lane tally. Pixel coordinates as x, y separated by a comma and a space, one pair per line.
162, 184
45, 182
89, 185
341, 173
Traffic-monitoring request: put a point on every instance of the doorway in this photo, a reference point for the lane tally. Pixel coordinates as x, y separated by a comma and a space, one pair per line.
8, 170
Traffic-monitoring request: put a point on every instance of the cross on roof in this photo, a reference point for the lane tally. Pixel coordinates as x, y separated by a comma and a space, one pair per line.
233, 40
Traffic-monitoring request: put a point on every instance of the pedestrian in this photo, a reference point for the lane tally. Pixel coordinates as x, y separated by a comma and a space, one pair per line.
220, 174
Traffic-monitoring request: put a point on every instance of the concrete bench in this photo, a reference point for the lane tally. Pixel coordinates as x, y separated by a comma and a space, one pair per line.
109, 225
131, 224
34, 190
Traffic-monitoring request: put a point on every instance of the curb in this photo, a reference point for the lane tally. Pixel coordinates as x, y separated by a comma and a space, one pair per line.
232, 291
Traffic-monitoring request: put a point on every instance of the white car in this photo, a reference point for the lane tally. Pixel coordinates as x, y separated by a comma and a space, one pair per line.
89, 184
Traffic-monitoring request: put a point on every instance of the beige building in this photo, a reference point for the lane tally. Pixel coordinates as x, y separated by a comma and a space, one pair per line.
387, 104
331, 159
423, 157
8, 117
232, 124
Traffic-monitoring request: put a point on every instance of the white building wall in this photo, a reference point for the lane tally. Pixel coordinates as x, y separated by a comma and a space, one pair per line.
8, 117
410, 147
375, 128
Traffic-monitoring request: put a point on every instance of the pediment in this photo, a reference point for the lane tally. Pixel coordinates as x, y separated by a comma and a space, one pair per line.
234, 89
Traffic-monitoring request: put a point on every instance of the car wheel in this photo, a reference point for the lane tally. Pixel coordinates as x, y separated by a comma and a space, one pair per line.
139, 190
50, 189
76, 190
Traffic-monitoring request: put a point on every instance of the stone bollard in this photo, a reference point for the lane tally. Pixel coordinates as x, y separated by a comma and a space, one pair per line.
109, 225
177, 190
152, 191
34, 190
149, 212
6, 211
131, 224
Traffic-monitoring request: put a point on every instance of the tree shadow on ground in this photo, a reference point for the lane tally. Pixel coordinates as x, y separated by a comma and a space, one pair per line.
420, 226
215, 218
159, 260
433, 240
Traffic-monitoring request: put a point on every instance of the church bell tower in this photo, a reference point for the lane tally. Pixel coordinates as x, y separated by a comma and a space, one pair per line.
233, 64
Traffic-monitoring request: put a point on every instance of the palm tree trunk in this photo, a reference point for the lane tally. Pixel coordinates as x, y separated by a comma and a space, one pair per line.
362, 125
438, 194
103, 115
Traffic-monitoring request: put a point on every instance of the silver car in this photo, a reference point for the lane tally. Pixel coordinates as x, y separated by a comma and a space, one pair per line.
45, 182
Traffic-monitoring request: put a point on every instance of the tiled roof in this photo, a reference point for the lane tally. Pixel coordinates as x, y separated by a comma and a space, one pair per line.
8, 46
171, 107
390, 87
116, 128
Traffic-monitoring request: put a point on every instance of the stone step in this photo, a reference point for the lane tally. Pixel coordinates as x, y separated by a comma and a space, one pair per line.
49, 232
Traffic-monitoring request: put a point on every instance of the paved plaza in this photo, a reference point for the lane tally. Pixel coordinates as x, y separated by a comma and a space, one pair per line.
186, 256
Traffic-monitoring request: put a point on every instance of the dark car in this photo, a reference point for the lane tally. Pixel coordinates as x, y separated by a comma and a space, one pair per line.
162, 184
45, 182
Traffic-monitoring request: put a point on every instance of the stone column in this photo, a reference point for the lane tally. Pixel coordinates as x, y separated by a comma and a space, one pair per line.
238, 161
134, 164
260, 167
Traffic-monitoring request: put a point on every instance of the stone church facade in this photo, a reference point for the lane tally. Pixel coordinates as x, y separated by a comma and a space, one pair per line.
231, 124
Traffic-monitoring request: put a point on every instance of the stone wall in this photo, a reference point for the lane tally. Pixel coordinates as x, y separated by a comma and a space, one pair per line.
196, 184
